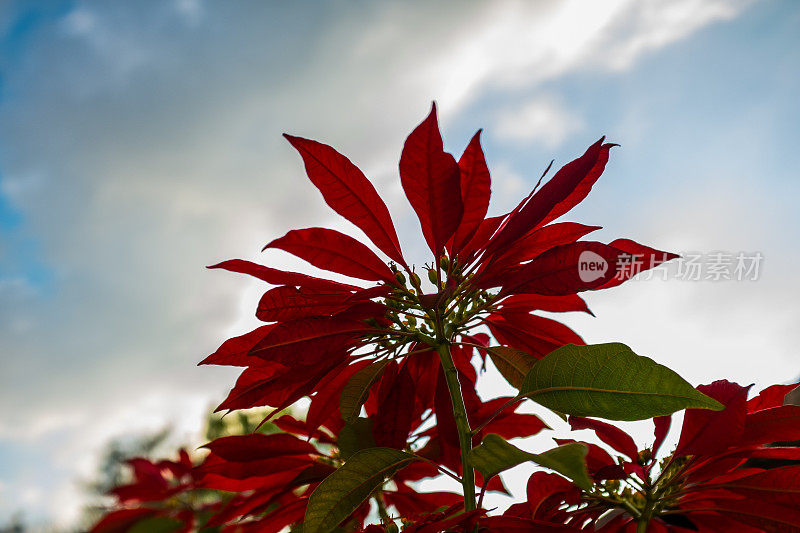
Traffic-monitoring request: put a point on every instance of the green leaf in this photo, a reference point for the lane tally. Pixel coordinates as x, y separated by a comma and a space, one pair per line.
157, 524
495, 455
343, 491
610, 381
512, 364
356, 435
355, 391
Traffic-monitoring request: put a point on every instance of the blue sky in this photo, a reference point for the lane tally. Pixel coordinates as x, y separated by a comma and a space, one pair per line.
140, 143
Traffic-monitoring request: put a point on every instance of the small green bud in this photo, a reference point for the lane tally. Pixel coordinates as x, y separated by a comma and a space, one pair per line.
400, 277
432, 276
444, 262
391, 528
415, 278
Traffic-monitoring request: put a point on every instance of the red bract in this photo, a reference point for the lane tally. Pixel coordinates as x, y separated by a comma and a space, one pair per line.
480, 271
145, 498
710, 483
388, 365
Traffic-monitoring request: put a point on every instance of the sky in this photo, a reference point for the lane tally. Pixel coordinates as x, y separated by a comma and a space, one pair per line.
140, 141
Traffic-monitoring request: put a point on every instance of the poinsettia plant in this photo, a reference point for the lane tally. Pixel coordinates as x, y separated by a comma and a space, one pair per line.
390, 358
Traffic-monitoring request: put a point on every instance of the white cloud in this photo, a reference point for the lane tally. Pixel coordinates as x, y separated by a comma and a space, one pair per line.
544, 119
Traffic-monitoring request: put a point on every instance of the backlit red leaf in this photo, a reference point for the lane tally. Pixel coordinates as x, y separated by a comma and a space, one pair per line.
307, 341
348, 192
554, 304
611, 435
639, 258
537, 242
233, 352
566, 269
476, 186
289, 303
554, 198
392, 423
770, 397
257, 446
334, 251
706, 432
431, 181
282, 277
772, 425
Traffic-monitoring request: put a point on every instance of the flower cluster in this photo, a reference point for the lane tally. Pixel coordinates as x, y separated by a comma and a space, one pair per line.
389, 361
726, 473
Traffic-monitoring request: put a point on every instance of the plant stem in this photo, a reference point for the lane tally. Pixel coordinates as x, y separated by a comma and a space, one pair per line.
641, 526
385, 518
462, 424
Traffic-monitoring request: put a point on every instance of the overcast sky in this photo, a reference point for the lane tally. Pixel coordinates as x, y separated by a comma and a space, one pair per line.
140, 141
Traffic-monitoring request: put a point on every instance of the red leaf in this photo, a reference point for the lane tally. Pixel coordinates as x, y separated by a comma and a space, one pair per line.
485, 230
214, 481
257, 446
289, 303
285, 515
334, 251
242, 506
536, 243
584, 185
348, 192
554, 198
431, 181
282, 277
233, 352
307, 341
707, 432
779, 485
543, 328
566, 269
662, 424
423, 368
611, 435
445, 422
770, 397
542, 486
533, 334
509, 424
476, 184
638, 258
537, 302
244, 470
275, 385
290, 424
392, 423
766, 515
772, 425
122, 520
409, 502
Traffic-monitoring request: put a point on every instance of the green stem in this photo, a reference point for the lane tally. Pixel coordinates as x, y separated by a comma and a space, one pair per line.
385, 518
462, 424
641, 525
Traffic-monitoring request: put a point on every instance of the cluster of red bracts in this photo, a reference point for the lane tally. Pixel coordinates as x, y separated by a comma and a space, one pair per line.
713, 482
491, 272
318, 328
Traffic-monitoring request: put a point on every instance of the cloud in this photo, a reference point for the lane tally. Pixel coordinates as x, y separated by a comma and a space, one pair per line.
141, 142
543, 119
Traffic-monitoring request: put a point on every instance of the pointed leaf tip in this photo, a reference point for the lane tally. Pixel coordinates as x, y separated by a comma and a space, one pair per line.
610, 381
